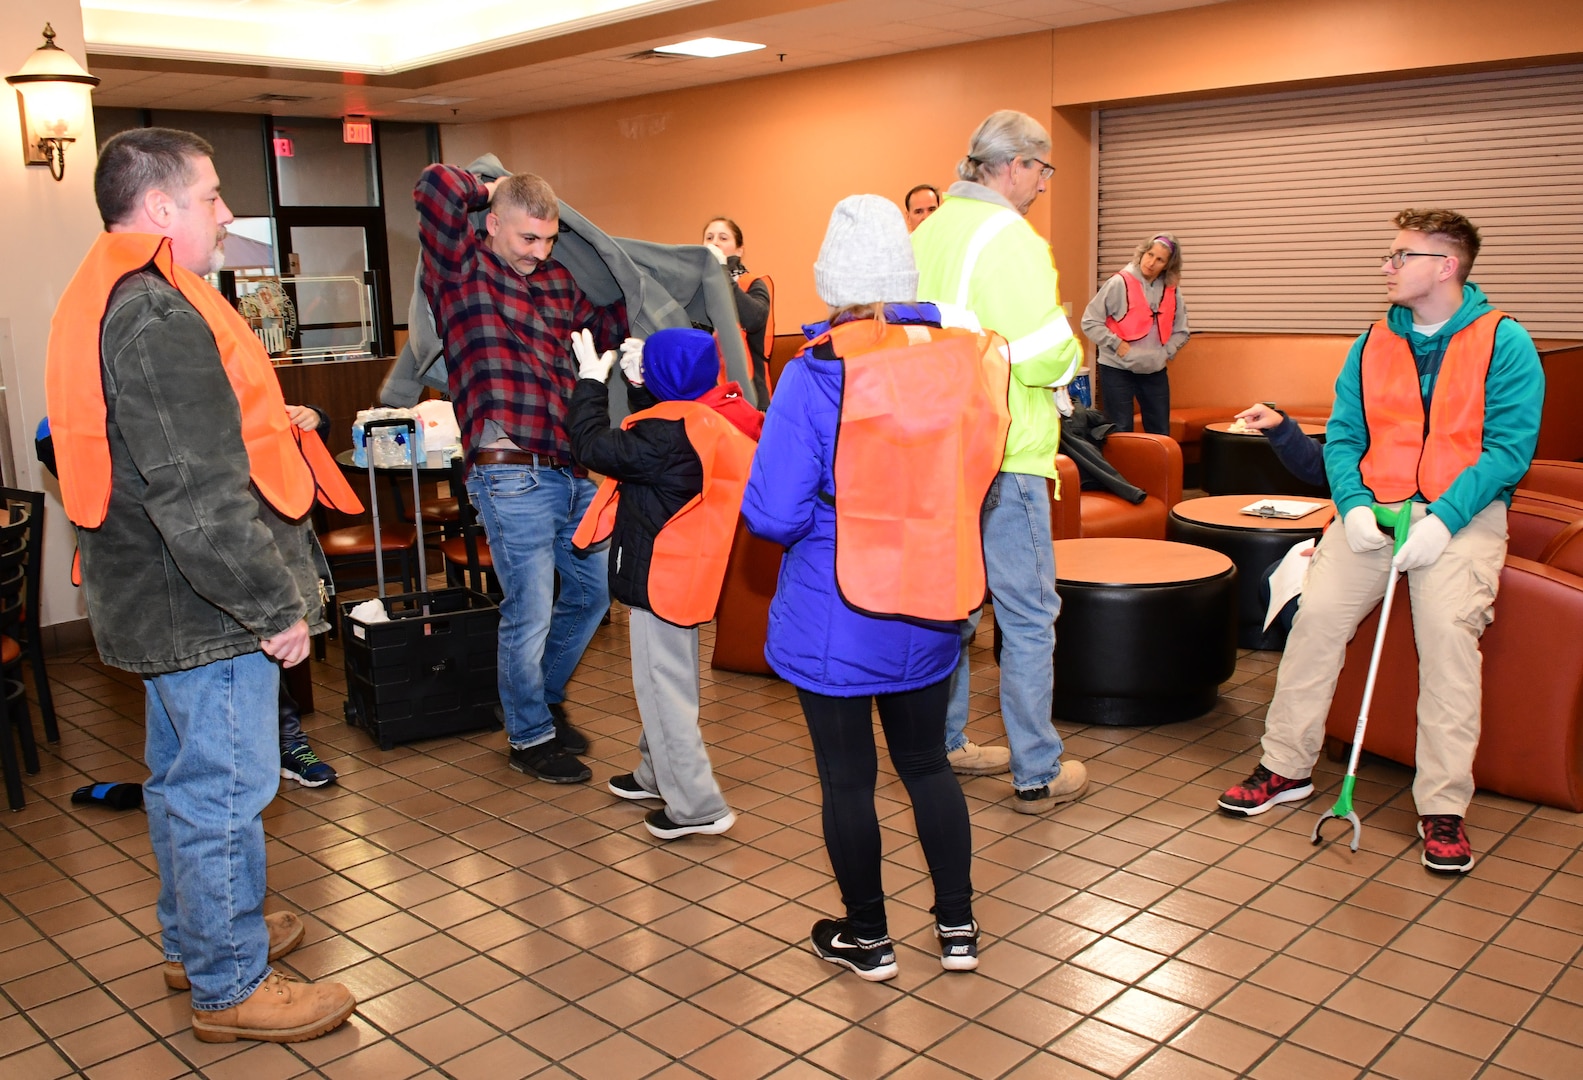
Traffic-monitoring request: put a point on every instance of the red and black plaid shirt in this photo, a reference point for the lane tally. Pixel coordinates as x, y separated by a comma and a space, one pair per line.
507, 337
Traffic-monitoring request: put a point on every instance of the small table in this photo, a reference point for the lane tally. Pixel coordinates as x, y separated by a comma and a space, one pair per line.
396, 474
426, 471
1147, 631
1235, 464
1253, 543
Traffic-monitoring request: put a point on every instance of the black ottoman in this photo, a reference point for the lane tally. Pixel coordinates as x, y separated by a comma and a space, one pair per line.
1253, 543
1147, 631
1246, 464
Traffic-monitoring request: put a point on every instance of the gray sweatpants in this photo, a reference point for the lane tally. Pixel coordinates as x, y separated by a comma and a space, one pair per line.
665, 681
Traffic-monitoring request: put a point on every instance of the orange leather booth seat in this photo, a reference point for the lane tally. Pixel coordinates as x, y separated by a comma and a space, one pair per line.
742, 618
1152, 462
1561, 423
1529, 747
1564, 478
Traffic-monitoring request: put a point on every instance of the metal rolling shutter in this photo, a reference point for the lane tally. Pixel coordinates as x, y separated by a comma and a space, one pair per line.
1283, 203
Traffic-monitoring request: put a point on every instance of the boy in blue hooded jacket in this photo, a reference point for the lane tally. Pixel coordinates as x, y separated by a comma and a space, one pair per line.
672, 464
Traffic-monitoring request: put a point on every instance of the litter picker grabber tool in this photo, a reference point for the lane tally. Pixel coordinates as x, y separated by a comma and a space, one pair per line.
1396, 521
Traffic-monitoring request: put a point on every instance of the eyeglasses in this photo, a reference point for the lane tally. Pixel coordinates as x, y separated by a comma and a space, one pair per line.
1046, 170
1397, 258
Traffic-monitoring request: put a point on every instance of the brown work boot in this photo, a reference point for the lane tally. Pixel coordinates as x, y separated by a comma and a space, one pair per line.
285, 934
281, 1010
1069, 784
970, 759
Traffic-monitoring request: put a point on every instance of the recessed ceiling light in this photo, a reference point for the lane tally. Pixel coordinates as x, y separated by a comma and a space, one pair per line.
709, 47
434, 99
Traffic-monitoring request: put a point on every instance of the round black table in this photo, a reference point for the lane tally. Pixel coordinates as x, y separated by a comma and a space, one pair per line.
1253, 543
1234, 464
1147, 631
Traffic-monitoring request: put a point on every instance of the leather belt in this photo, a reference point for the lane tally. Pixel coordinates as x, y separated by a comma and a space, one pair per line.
518, 457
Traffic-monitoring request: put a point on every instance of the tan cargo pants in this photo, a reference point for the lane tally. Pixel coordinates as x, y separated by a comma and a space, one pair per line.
1453, 600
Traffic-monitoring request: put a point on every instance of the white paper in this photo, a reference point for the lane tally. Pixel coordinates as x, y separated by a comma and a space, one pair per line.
1287, 581
369, 612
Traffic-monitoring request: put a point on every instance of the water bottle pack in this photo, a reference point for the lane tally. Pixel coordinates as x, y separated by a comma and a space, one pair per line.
390, 447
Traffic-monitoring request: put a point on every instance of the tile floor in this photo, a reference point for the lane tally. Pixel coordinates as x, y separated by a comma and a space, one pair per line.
496, 927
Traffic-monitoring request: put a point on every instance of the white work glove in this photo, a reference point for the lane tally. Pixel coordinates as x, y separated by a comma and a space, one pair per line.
1362, 532
632, 360
591, 364
1424, 544
719, 255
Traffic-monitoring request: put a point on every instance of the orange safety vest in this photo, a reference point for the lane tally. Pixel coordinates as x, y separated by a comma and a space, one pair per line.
1406, 453
1140, 318
745, 282
691, 550
289, 466
923, 429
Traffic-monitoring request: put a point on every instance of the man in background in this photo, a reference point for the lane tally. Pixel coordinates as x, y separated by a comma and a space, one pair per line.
920, 202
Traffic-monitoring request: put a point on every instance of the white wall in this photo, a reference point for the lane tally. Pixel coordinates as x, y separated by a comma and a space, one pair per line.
45, 229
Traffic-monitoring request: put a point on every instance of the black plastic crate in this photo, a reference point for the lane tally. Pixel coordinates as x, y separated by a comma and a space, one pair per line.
428, 672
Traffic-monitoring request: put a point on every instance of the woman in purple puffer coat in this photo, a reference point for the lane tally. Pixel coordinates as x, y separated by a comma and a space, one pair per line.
838, 658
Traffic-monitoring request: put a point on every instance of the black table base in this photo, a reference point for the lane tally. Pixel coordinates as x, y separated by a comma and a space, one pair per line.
1143, 654
1247, 465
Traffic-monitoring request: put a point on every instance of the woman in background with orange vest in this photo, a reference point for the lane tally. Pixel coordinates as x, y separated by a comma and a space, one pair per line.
755, 294
1138, 321
877, 456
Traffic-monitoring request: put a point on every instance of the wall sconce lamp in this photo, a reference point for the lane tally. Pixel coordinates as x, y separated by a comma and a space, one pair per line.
52, 98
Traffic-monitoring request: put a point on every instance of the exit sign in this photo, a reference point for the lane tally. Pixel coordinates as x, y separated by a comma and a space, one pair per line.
283, 147
357, 129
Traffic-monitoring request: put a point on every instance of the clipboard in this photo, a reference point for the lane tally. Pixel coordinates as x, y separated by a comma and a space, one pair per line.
1283, 509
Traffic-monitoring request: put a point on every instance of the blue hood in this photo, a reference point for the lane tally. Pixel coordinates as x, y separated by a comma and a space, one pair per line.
680, 364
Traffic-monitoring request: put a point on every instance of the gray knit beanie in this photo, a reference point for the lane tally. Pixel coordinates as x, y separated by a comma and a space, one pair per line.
866, 257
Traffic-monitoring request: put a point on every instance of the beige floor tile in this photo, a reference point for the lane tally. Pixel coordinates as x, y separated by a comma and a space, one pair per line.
495, 927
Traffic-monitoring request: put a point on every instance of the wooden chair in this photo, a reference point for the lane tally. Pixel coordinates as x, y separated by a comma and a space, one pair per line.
32, 638
13, 602
467, 559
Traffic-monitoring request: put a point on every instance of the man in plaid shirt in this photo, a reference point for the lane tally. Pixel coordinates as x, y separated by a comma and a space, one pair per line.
506, 312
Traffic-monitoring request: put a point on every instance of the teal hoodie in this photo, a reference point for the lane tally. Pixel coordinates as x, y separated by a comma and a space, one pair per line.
1514, 393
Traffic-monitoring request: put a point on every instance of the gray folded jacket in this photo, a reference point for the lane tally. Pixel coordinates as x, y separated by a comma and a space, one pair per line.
664, 285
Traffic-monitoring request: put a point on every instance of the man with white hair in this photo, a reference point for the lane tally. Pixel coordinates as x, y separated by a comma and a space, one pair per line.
979, 257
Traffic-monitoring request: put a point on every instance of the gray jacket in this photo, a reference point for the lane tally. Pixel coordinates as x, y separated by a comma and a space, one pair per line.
664, 285
190, 564
1149, 353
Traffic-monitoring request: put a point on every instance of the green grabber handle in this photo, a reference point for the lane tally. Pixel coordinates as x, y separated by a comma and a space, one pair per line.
1396, 522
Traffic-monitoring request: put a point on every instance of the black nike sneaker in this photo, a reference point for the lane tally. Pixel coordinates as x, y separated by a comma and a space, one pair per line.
874, 960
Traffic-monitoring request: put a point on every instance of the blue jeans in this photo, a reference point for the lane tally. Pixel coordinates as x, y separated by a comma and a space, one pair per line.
1020, 563
1118, 386
529, 515
214, 764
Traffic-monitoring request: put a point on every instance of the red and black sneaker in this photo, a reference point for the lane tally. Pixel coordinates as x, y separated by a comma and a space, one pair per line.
1264, 790
1446, 847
